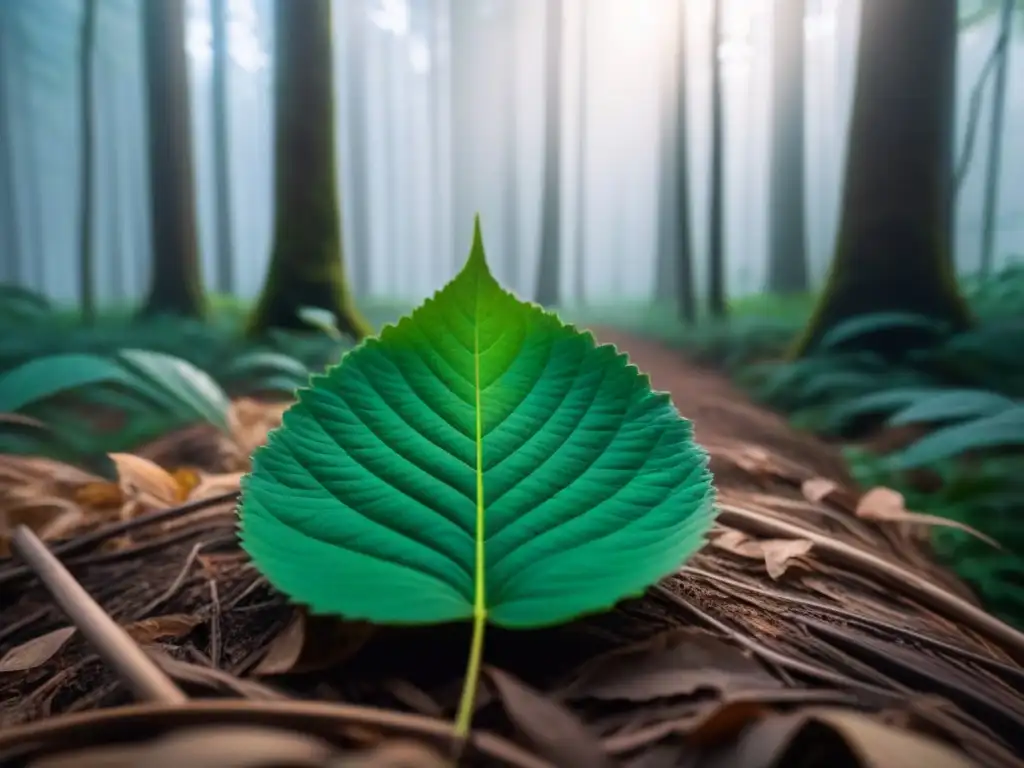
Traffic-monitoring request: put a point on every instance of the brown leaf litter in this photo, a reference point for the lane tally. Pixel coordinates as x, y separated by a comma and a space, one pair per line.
814, 629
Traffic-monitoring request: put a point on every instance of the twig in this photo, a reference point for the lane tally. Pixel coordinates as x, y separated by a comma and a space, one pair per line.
154, 545
105, 532
764, 652
177, 584
868, 623
111, 642
214, 625
321, 718
866, 563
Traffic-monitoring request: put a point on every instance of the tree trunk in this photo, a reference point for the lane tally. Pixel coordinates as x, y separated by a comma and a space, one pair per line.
10, 225
115, 181
86, 268
463, 141
549, 268
306, 262
221, 153
581, 165
509, 32
892, 249
674, 269
787, 248
175, 284
359, 226
995, 142
716, 213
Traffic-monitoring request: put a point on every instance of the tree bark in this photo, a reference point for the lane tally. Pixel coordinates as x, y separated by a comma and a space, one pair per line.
892, 249
306, 262
581, 165
716, 213
359, 226
674, 269
787, 239
86, 267
549, 268
175, 284
509, 33
221, 152
995, 141
10, 231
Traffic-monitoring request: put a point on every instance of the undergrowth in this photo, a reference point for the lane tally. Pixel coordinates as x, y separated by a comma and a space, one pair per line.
76, 392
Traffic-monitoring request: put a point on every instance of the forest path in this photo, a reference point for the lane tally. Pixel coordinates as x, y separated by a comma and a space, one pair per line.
722, 414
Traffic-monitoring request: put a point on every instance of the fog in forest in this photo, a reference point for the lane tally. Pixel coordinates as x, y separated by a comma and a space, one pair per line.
447, 99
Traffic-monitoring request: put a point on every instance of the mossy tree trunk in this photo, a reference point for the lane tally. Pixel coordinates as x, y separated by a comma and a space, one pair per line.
10, 225
787, 242
358, 225
86, 268
674, 268
507, 31
580, 259
549, 267
175, 283
306, 268
716, 208
221, 151
893, 245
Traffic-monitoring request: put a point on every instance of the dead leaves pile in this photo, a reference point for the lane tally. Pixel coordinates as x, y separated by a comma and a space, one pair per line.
708, 704
59, 501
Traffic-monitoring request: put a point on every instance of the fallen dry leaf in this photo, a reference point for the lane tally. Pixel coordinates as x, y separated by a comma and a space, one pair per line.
215, 485
187, 479
554, 731
147, 483
884, 505
818, 489
251, 420
778, 554
839, 737
675, 663
37, 651
173, 625
313, 643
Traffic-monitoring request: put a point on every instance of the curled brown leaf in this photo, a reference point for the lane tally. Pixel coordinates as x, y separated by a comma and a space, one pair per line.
885, 505
778, 554
313, 643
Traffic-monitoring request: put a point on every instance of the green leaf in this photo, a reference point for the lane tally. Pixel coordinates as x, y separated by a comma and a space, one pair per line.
997, 431
321, 319
46, 377
178, 385
863, 325
479, 460
951, 405
262, 363
883, 402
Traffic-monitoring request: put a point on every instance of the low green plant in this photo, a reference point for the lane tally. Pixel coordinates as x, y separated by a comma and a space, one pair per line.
479, 461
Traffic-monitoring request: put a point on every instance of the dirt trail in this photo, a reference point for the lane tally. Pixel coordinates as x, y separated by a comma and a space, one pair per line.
720, 412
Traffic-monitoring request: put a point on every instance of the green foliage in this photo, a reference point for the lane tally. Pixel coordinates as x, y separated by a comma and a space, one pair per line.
79, 392
479, 460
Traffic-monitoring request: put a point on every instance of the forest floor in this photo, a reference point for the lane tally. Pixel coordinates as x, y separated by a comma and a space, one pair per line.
814, 628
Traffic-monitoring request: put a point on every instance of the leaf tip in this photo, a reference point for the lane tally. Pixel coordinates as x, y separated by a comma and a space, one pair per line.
476, 250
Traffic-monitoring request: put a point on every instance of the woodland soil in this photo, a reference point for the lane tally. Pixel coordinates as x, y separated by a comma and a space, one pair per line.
814, 628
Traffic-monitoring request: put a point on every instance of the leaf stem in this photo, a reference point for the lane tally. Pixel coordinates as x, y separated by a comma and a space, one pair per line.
469, 685
476, 647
